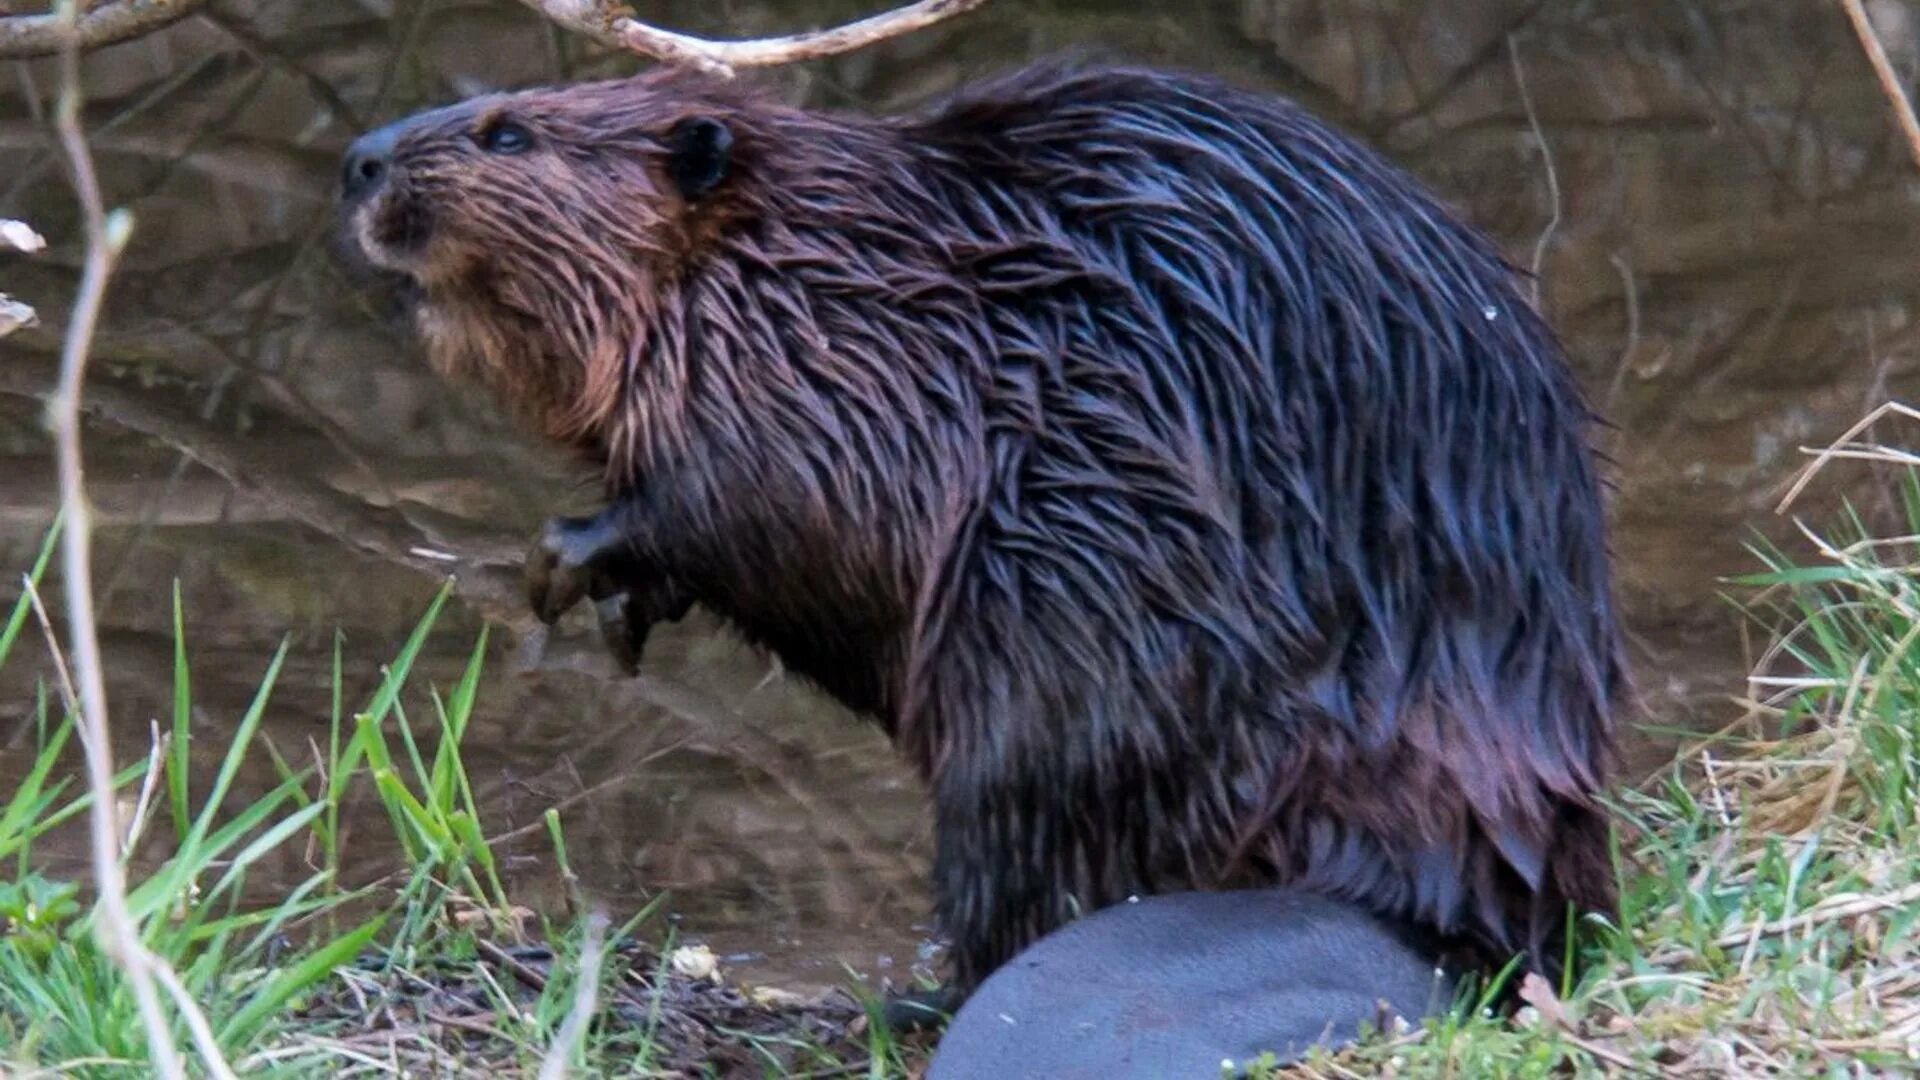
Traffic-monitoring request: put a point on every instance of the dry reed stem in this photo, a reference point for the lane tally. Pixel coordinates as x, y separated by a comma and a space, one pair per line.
118, 936
586, 989
149, 786
606, 21
1843, 447
1843, 906
1546, 156
67, 693
1889, 79
26, 36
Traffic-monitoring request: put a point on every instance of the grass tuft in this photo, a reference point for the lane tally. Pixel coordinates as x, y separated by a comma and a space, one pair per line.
394, 977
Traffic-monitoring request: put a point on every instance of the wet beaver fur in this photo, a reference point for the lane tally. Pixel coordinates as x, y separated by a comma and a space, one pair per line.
1194, 500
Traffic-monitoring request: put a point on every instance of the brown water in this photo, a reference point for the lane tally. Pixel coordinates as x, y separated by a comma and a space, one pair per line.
1731, 259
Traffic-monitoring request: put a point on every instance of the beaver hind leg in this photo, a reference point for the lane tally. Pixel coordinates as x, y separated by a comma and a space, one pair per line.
913, 1011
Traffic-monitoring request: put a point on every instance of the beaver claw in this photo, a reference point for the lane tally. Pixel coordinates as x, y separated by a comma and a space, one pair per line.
591, 558
569, 562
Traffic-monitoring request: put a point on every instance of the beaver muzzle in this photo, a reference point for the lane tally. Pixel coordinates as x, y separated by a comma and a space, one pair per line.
383, 224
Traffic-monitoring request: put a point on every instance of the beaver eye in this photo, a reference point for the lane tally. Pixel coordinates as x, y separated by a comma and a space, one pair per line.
504, 137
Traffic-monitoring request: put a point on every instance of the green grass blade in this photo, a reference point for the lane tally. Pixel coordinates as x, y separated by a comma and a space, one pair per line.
243, 1026
18, 617
430, 826
331, 795
26, 806
186, 865
296, 906
456, 712
369, 743
384, 699
459, 712
265, 842
460, 702
178, 751
236, 751
403, 727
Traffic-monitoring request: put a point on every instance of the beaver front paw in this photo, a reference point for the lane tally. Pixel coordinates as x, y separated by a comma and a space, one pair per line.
569, 562
591, 558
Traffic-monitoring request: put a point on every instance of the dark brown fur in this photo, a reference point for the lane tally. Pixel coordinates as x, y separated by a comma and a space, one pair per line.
1192, 498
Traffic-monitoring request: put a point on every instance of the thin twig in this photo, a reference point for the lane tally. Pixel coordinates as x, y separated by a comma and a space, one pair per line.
1611, 1057
106, 237
1889, 79
606, 22
67, 692
1546, 155
586, 989
1713, 785
1631, 292
476, 1024
1828, 910
1836, 449
525, 972
149, 785
25, 36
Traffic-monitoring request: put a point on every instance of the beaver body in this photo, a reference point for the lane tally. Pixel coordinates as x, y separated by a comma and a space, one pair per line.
1195, 501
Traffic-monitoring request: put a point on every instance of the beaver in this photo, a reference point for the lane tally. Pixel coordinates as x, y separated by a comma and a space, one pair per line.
1194, 499
1173, 985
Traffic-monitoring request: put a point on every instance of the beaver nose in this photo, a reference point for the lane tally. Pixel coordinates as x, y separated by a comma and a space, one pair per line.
369, 160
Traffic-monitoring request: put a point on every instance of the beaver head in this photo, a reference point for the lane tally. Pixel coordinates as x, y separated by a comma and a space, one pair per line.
529, 232
741, 308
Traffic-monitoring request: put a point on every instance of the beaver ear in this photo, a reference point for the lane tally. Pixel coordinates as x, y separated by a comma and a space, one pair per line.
700, 149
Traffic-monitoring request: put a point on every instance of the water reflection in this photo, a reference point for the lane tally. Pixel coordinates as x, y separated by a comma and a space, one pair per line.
1730, 260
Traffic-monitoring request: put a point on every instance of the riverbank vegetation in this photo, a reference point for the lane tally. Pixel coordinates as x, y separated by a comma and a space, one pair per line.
1770, 883
431, 970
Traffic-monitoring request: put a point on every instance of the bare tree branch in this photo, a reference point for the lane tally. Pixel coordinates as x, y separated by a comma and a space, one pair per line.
607, 22
106, 237
1546, 155
24, 36
1889, 79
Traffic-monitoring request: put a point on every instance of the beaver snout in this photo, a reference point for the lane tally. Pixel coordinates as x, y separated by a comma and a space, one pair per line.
383, 220
368, 161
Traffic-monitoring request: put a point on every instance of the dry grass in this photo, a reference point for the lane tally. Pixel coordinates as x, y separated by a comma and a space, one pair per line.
1771, 876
